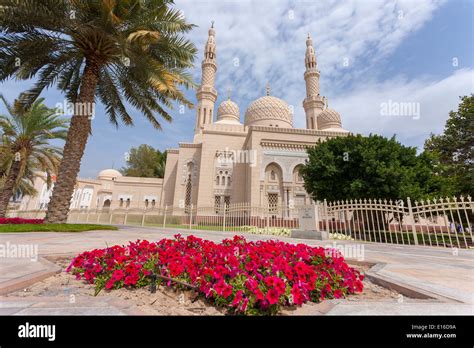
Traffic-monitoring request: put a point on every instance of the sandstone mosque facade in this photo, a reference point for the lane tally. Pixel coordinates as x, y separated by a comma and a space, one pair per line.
229, 161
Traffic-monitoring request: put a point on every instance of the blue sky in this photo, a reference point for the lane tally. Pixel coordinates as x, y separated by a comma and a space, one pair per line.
401, 51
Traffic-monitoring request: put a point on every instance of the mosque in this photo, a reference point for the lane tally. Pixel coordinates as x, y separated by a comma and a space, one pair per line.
255, 162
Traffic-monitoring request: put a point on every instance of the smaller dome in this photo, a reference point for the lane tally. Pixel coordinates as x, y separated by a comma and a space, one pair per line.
228, 112
109, 174
329, 118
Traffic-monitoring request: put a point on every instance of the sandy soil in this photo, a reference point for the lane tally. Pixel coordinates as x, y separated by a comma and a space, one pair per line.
166, 301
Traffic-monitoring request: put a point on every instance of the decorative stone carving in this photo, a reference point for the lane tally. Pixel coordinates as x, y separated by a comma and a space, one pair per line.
329, 118
186, 172
287, 163
268, 108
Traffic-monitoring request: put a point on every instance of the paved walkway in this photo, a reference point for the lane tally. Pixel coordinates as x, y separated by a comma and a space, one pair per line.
444, 277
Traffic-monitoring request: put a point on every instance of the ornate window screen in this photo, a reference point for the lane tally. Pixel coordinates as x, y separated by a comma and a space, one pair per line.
189, 187
217, 203
226, 201
272, 201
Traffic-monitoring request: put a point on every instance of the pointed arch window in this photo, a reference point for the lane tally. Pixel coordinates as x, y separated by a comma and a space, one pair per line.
189, 187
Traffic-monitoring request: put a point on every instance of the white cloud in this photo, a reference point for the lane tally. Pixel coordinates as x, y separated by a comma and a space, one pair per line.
268, 39
361, 107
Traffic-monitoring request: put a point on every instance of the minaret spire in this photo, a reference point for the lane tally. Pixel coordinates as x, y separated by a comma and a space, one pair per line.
313, 104
206, 93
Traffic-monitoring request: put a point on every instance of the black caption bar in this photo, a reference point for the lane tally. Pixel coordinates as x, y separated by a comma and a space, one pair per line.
133, 330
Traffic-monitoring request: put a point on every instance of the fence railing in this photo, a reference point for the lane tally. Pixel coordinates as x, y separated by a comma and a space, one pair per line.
439, 222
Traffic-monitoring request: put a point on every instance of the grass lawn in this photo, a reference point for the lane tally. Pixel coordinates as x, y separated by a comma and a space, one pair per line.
53, 227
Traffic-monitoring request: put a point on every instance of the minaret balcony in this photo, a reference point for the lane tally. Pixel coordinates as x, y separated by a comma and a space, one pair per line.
206, 92
313, 101
209, 62
311, 72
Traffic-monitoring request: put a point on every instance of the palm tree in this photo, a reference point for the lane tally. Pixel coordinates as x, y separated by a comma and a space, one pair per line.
113, 50
26, 147
26, 184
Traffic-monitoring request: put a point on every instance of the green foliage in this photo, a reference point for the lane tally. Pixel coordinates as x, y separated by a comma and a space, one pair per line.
136, 48
454, 148
27, 135
355, 167
145, 161
53, 228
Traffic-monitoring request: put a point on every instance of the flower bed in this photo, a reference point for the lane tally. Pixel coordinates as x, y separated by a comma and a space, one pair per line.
340, 236
274, 231
19, 221
245, 277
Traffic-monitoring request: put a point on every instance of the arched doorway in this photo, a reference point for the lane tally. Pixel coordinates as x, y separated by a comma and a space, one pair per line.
273, 187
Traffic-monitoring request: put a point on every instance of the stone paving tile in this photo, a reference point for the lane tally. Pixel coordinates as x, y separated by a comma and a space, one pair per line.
17, 302
431, 280
71, 311
64, 303
10, 311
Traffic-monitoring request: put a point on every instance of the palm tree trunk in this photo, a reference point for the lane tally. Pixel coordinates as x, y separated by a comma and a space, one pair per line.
8, 186
78, 133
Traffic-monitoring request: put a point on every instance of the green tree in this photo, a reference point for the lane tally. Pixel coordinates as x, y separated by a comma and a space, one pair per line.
26, 147
145, 161
454, 148
356, 167
116, 51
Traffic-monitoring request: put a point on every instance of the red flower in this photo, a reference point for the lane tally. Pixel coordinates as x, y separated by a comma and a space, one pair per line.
272, 296
118, 275
109, 284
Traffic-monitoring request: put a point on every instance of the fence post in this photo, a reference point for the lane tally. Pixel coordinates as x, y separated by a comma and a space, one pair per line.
316, 215
190, 216
223, 222
412, 217
164, 218
267, 222
325, 212
143, 217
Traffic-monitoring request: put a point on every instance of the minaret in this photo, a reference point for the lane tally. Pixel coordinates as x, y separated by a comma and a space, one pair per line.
313, 104
207, 94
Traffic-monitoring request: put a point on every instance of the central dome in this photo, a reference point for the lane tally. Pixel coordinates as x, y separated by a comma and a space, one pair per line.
269, 111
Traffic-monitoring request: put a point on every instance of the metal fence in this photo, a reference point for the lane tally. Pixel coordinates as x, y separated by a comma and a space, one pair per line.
438, 222
223, 218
